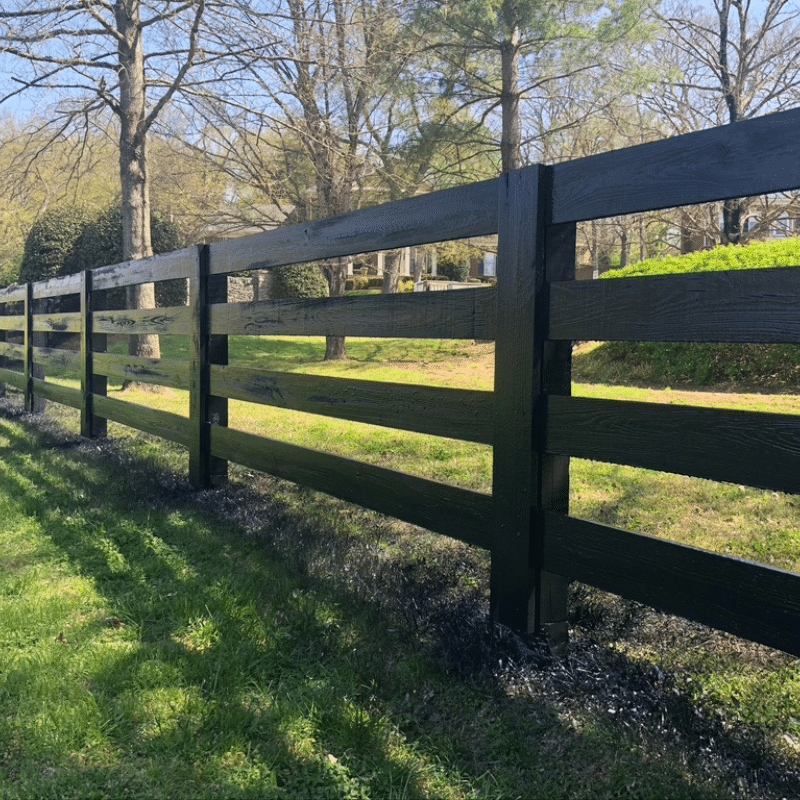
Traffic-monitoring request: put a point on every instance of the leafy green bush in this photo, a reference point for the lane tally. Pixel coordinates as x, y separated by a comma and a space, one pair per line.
758, 255
100, 244
298, 281
51, 242
456, 271
693, 364
360, 283
64, 241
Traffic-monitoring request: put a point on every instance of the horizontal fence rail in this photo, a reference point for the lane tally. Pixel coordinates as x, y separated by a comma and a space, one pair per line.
740, 160
744, 447
746, 599
459, 513
747, 306
467, 314
453, 413
530, 420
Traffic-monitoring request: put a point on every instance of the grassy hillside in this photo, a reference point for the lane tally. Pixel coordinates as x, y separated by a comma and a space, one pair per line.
266, 641
701, 366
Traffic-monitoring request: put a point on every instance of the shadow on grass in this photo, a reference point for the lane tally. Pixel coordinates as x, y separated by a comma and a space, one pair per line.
267, 641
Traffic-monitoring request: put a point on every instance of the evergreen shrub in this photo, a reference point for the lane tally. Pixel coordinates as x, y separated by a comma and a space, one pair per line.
696, 364
458, 272
50, 243
100, 244
298, 281
66, 240
757, 255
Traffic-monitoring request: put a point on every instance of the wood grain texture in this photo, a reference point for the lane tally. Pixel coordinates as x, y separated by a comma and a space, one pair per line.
66, 395
517, 385
28, 344
449, 214
463, 314
555, 359
14, 322
205, 408
12, 378
744, 447
57, 287
55, 357
750, 600
160, 372
738, 306
179, 264
57, 323
454, 413
93, 384
13, 351
159, 423
173, 320
12, 294
459, 513
758, 156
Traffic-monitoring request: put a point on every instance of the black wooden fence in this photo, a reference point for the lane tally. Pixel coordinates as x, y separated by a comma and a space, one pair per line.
534, 426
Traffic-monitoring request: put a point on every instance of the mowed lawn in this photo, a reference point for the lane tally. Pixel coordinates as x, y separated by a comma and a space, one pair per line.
267, 641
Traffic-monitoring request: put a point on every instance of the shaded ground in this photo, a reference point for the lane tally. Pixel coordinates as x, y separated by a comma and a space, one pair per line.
434, 591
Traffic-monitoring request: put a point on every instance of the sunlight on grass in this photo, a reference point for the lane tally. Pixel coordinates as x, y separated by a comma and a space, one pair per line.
151, 647
747, 523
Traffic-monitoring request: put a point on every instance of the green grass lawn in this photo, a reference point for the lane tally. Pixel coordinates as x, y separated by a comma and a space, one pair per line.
267, 641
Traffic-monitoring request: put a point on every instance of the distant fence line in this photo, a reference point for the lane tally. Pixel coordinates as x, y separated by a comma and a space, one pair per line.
534, 314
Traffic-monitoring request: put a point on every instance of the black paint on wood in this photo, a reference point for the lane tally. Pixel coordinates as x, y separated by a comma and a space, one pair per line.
65, 395
12, 322
757, 156
178, 264
57, 323
458, 314
57, 287
743, 447
454, 413
92, 384
150, 420
205, 409
555, 361
750, 600
738, 306
449, 214
13, 378
27, 343
520, 275
12, 294
159, 372
173, 320
459, 513
56, 357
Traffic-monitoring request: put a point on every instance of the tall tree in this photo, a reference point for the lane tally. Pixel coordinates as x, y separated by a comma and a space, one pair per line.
733, 61
301, 124
126, 57
500, 54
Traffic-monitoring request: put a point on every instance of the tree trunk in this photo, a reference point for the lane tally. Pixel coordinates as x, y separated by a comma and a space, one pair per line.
391, 274
132, 111
336, 346
625, 249
732, 216
511, 137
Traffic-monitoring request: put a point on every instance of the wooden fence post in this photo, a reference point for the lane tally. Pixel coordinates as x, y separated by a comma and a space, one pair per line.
555, 359
27, 344
520, 270
526, 480
91, 343
205, 470
4, 361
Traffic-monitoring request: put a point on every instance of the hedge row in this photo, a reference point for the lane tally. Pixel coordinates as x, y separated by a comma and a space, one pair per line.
758, 255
